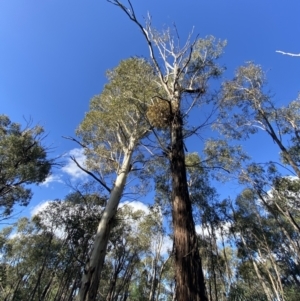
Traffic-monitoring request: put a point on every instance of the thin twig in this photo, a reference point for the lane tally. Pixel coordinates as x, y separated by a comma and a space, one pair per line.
75, 140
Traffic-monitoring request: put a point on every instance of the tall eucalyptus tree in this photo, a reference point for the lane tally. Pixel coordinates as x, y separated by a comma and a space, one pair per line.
110, 134
183, 74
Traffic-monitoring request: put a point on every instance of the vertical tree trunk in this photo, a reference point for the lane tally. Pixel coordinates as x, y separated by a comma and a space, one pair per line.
154, 269
160, 276
258, 274
190, 285
15, 291
213, 267
75, 286
46, 288
153, 279
113, 280
91, 276
38, 281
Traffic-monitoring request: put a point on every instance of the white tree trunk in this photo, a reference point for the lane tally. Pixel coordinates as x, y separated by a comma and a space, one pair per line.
91, 276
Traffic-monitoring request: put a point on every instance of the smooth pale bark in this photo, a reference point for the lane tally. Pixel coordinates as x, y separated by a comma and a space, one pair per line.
154, 269
91, 276
190, 285
153, 279
159, 281
259, 276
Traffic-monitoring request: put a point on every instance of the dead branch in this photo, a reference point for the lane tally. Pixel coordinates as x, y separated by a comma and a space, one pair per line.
91, 174
287, 53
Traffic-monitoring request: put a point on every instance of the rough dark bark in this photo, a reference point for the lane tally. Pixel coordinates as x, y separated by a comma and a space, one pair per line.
190, 285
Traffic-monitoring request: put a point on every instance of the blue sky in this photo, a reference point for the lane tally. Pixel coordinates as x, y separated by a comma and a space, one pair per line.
54, 54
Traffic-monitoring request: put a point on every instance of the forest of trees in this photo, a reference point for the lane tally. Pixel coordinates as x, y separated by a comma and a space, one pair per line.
189, 243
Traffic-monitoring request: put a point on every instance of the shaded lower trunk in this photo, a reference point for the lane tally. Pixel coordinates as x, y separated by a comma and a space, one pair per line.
190, 285
38, 281
46, 288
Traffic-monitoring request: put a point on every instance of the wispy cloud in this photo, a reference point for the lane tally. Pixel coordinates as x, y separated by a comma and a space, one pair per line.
167, 242
40, 207
167, 245
203, 231
52, 179
71, 168
135, 205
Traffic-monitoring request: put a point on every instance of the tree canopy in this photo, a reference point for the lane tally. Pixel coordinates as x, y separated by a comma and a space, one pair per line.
23, 161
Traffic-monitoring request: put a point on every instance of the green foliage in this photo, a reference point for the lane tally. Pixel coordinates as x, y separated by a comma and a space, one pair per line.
265, 236
44, 258
249, 248
117, 115
23, 161
241, 292
223, 158
202, 66
246, 107
245, 93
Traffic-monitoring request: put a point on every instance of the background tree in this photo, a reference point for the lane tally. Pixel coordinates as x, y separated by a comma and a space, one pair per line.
27, 260
43, 258
246, 108
129, 252
23, 161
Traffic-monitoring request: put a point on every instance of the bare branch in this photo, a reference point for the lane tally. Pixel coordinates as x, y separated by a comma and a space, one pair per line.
288, 53
75, 140
131, 14
91, 174
293, 220
147, 149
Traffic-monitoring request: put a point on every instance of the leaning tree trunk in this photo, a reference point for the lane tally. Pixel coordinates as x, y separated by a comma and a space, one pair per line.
92, 271
190, 285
